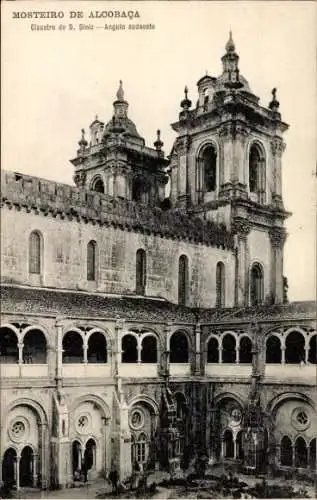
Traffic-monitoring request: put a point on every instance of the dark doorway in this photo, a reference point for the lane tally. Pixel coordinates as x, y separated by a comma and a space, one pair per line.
286, 452
239, 446
8, 464
90, 453
228, 444
76, 456
26, 460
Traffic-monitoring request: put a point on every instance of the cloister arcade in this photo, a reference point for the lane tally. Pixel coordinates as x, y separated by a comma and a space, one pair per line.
293, 346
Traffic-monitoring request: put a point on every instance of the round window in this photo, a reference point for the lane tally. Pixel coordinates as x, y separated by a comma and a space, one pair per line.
236, 416
137, 419
82, 424
300, 419
18, 429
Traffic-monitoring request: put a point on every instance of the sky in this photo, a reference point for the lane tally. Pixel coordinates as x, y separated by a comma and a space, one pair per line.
55, 82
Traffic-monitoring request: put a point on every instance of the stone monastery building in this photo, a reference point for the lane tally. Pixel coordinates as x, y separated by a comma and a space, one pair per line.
143, 329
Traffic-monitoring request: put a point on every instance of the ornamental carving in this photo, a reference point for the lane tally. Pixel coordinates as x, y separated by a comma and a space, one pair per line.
241, 227
182, 144
277, 147
277, 237
234, 130
80, 179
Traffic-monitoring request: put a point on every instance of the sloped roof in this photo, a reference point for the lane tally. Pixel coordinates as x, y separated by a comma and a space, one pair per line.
16, 299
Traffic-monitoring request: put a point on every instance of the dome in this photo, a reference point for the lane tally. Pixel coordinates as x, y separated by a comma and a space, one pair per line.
122, 125
222, 80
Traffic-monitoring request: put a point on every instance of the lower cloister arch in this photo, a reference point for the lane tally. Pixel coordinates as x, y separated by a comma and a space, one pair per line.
179, 347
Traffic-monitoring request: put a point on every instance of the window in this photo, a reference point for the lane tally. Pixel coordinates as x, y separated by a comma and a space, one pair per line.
91, 261
140, 272
257, 172
138, 188
220, 285
97, 184
141, 445
182, 280
35, 253
256, 285
209, 159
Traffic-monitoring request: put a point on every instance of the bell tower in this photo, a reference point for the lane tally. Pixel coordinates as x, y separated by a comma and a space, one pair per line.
225, 165
116, 161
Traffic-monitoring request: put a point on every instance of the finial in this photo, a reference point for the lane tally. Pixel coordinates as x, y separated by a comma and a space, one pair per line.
120, 93
158, 144
82, 142
96, 118
274, 104
230, 44
186, 103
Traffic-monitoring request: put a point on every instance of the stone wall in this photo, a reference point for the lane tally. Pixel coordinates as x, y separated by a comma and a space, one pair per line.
65, 258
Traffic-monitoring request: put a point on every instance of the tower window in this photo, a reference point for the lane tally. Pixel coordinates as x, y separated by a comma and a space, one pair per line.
91, 261
140, 272
209, 160
137, 189
256, 172
98, 185
220, 285
182, 280
256, 285
35, 253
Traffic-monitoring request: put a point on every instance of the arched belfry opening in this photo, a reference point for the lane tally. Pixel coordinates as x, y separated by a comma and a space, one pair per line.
98, 185
206, 172
256, 284
257, 173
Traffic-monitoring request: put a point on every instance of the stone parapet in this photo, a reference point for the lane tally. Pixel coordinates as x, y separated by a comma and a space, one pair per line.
47, 197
